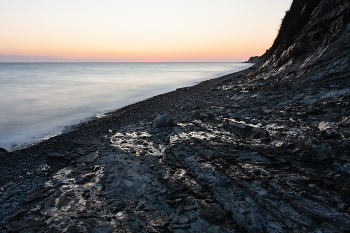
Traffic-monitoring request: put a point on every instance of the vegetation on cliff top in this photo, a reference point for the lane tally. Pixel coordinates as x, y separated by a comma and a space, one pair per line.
292, 23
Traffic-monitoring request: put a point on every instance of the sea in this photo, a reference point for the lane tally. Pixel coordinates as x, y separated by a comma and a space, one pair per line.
41, 100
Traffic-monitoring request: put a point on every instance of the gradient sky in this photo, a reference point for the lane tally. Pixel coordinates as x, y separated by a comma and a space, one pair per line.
138, 30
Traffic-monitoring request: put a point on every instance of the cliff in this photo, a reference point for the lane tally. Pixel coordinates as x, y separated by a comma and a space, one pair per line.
262, 150
253, 59
323, 40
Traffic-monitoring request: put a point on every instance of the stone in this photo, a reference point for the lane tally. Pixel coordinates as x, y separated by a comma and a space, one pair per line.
170, 202
178, 200
184, 220
175, 220
150, 229
256, 171
162, 121
2, 150
121, 215
244, 130
162, 192
56, 161
342, 206
87, 159
5, 206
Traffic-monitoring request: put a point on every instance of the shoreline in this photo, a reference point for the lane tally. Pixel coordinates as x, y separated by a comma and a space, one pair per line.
111, 120
17, 137
73, 127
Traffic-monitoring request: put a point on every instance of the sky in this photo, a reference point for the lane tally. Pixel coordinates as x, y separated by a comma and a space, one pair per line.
138, 30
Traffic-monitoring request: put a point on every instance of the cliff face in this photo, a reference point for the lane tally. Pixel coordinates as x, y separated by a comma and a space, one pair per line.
292, 23
319, 53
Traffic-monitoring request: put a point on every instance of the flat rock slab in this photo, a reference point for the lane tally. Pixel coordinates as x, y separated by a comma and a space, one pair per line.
244, 130
88, 158
184, 220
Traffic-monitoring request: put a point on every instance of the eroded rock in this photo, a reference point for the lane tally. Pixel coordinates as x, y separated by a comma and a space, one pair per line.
57, 161
244, 130
162, 121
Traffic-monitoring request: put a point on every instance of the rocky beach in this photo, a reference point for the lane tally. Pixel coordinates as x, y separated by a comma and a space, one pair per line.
262, 150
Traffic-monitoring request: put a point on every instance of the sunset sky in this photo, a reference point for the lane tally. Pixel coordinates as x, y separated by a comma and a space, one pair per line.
138, 30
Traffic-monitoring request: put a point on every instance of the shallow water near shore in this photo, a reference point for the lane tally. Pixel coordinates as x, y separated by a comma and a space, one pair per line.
38, 100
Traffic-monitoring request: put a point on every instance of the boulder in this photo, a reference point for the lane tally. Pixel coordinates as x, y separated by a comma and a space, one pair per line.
57, 161
2, 150
163, 121
256, 171
241, 129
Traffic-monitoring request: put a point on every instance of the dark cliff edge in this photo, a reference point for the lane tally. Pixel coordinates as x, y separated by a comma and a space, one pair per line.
262, 150
293, 22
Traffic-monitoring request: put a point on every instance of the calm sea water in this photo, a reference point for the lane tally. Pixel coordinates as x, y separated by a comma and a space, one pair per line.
38, 100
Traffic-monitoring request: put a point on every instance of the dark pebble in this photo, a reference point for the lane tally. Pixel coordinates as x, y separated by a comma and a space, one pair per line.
257, 171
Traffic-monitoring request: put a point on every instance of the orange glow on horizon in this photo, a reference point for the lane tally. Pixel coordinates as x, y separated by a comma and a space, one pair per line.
225, 53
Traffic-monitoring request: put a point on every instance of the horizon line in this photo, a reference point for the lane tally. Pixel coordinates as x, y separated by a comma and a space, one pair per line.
52, 59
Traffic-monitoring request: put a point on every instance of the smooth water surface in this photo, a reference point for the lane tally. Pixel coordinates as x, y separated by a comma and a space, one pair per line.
39, 99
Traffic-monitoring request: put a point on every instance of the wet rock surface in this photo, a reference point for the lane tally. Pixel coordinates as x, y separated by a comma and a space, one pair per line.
162, 121
266, 151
